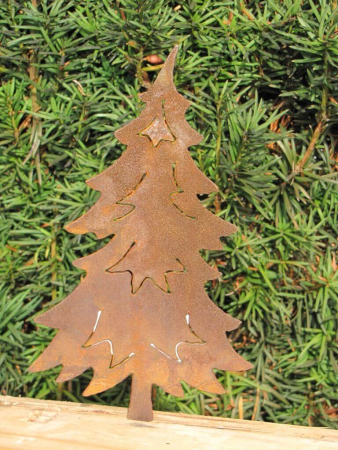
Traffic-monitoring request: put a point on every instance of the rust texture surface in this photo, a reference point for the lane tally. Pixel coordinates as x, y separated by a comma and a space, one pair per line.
141, 309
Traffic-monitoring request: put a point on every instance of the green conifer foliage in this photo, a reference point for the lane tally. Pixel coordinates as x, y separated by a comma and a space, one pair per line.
262, 80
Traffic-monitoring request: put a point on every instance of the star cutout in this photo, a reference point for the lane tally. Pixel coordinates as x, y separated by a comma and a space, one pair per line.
158, 131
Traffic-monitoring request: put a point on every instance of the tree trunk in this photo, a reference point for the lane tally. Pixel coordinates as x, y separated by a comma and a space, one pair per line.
140, 405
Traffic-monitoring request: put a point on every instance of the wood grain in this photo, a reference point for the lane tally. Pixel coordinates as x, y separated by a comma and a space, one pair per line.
39, 425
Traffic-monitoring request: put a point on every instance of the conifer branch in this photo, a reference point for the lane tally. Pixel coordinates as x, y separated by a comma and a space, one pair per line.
322, 121
36, 127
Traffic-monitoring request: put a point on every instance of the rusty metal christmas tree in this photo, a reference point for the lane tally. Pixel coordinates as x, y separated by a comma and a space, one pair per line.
142, 309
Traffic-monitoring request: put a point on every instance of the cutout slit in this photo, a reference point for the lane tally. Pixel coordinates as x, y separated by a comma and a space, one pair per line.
115, 264
179, 191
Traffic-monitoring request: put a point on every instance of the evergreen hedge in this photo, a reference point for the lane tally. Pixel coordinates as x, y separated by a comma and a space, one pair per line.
262, 79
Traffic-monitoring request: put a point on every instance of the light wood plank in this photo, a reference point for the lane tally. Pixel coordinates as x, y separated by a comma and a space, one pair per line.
47, 425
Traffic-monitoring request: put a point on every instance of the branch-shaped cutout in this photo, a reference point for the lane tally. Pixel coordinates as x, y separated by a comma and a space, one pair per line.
89, 344
134, 289
200, 341
108, 213
121, 202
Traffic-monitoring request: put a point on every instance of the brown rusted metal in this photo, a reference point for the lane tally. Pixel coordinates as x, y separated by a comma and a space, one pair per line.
142, 309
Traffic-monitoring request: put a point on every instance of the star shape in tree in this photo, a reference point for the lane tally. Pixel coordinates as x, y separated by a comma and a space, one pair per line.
158, 131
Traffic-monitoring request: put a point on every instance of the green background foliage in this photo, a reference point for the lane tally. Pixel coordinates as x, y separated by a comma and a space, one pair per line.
262, 80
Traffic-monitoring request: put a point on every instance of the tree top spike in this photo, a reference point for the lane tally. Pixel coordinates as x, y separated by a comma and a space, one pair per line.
164, 80
166, 74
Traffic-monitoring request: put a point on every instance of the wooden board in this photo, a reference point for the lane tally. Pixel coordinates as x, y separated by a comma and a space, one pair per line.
47, 425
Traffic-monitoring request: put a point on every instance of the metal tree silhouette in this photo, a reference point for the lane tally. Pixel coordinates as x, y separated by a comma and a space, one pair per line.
142, 309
